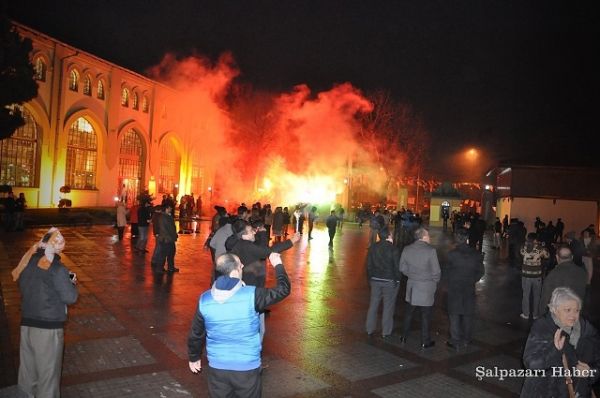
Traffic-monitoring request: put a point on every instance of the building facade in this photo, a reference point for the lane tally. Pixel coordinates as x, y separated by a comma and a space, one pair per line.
102, 130
526, 192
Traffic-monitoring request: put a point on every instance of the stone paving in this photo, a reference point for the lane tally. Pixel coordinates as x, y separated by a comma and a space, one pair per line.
126, 335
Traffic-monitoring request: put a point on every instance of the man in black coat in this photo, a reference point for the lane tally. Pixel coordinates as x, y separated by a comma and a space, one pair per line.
565, 274
384, 275
463, 269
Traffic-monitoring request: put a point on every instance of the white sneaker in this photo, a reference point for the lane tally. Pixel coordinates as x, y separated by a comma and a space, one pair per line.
524, 316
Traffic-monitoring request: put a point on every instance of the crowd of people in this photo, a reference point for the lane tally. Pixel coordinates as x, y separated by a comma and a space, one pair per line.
556, 271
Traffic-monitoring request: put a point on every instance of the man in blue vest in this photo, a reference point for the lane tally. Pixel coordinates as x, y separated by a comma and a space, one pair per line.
228, 317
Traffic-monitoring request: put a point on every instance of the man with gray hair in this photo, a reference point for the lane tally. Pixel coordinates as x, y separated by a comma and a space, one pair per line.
565, 274
419, 262
227, 316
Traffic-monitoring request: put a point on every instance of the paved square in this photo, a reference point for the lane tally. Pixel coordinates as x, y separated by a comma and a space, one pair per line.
104, 354
434, 385
359, 361
142, 386
282, 379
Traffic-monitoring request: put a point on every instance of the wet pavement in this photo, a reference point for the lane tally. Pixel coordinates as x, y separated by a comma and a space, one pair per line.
126, 335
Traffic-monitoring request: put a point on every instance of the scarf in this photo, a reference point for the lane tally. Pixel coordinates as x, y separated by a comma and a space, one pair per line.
52, 243
573, 332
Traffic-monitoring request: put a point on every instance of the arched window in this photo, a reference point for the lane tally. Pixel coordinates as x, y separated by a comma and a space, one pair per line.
197, 183
40, 69
74, 80
87, 85
82, 155
145, 104
135, 101
100, 90
125, 97
18, 154
169, 167
131, 164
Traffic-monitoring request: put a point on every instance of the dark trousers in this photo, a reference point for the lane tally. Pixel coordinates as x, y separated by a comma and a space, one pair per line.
120, 230
164, 251
134, 230
426, 313
461, 328
331, 236
234, 383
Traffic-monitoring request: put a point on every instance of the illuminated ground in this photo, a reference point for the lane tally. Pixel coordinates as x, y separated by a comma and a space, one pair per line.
127, 333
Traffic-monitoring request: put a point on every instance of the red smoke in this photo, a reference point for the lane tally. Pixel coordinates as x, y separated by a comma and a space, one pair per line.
281, 148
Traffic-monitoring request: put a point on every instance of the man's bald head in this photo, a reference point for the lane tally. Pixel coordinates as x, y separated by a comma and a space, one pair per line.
564, 254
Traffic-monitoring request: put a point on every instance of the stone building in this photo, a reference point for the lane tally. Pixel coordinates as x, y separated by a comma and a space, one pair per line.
102, 130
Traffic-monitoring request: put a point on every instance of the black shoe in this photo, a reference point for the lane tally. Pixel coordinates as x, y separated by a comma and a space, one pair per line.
450, 345
402, 339
171, 270
428, 345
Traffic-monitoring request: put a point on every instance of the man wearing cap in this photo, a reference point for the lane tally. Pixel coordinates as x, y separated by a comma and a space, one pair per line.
227, 316
46, 290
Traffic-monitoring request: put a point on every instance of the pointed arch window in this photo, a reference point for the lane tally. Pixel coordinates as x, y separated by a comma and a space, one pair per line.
87, 85
125, 97
135, 101
82, 155
100, 90
74, 80
18, 153
40, 69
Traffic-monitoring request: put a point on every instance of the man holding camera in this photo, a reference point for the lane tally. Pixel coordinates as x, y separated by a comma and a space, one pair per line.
228, 318
46, 288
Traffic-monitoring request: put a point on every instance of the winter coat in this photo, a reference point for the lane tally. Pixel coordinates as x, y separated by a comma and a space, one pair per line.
464, 267
277, 222
419, 262
45, 294
121, 215
166, 226
252, 254
541, 354
382, 261
564, 274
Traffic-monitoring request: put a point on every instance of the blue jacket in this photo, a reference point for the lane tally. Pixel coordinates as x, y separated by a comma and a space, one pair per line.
227, 317
231, 321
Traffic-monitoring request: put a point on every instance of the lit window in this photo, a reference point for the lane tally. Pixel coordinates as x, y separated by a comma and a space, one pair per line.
87, 86
169, 167
134, 101
125, 97
131, 163
100, 90
18, 154
82, 155
74, 80
145, 104
40, 69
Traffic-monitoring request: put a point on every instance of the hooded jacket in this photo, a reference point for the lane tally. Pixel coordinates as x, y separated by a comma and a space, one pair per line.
227, 316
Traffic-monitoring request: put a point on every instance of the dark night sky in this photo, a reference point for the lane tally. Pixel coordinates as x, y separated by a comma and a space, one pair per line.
519, 78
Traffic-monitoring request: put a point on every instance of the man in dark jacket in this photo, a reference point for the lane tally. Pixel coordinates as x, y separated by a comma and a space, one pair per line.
144, 216
242, 244
565, 274
165, 243
476, 232
384, 278
332, 222
463, 269
227, 316
46, 290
